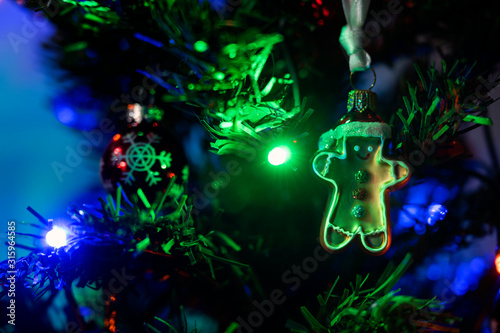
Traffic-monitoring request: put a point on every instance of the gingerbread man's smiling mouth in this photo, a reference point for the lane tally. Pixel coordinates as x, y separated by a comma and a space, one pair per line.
364, 158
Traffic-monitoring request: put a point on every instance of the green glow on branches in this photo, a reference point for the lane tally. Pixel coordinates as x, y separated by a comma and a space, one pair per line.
200, 46
76, 46
219, 76
279, 155
226, 124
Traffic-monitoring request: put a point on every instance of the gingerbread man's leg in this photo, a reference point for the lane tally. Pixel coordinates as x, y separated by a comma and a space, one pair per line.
377, 242
333, 238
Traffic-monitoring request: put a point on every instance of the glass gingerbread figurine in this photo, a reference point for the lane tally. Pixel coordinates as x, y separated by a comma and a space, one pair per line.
351, 160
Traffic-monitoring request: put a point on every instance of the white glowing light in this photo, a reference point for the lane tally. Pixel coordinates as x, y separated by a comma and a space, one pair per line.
56, 237
279, 155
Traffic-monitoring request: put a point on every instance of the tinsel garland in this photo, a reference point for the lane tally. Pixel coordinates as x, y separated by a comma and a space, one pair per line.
377, 309
438, 106
199, 60
119, 234
215, 68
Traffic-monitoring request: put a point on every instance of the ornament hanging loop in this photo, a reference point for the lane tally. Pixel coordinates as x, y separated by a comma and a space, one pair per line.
374, 79
352, 35
362, 100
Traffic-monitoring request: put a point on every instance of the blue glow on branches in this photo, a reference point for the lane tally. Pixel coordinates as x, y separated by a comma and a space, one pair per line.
148, 40
77, 108
419, 229
434, 272
66, 115
435, 212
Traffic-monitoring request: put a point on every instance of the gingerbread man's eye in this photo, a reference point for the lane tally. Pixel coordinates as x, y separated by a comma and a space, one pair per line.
356, 148
370, 148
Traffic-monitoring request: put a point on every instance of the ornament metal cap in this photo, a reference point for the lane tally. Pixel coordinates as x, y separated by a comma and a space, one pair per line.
361, 100
361, 119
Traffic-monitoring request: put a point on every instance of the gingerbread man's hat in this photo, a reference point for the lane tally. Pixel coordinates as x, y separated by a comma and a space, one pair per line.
361, 120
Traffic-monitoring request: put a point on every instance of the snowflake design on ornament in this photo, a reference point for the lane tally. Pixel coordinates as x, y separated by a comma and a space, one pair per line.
141, 157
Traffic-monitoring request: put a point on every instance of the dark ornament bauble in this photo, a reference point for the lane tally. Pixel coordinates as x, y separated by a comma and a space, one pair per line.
141, 158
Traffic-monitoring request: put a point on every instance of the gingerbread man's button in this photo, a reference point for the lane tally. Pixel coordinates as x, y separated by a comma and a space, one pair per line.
359, 193
362, 176
358, 211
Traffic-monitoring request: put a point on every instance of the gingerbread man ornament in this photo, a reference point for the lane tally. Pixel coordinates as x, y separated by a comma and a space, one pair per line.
350, 159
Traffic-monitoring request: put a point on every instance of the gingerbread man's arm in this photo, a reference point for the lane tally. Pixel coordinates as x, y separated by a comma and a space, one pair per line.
397, 176
321, 170
400, 171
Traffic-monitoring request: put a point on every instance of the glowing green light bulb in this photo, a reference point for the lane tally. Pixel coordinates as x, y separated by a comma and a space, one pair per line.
219, 76
201, 46
279, 155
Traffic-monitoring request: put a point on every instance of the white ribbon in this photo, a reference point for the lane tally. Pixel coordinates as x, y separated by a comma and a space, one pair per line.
351, 36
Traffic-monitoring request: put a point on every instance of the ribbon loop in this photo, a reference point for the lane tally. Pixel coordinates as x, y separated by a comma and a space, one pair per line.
351, 36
